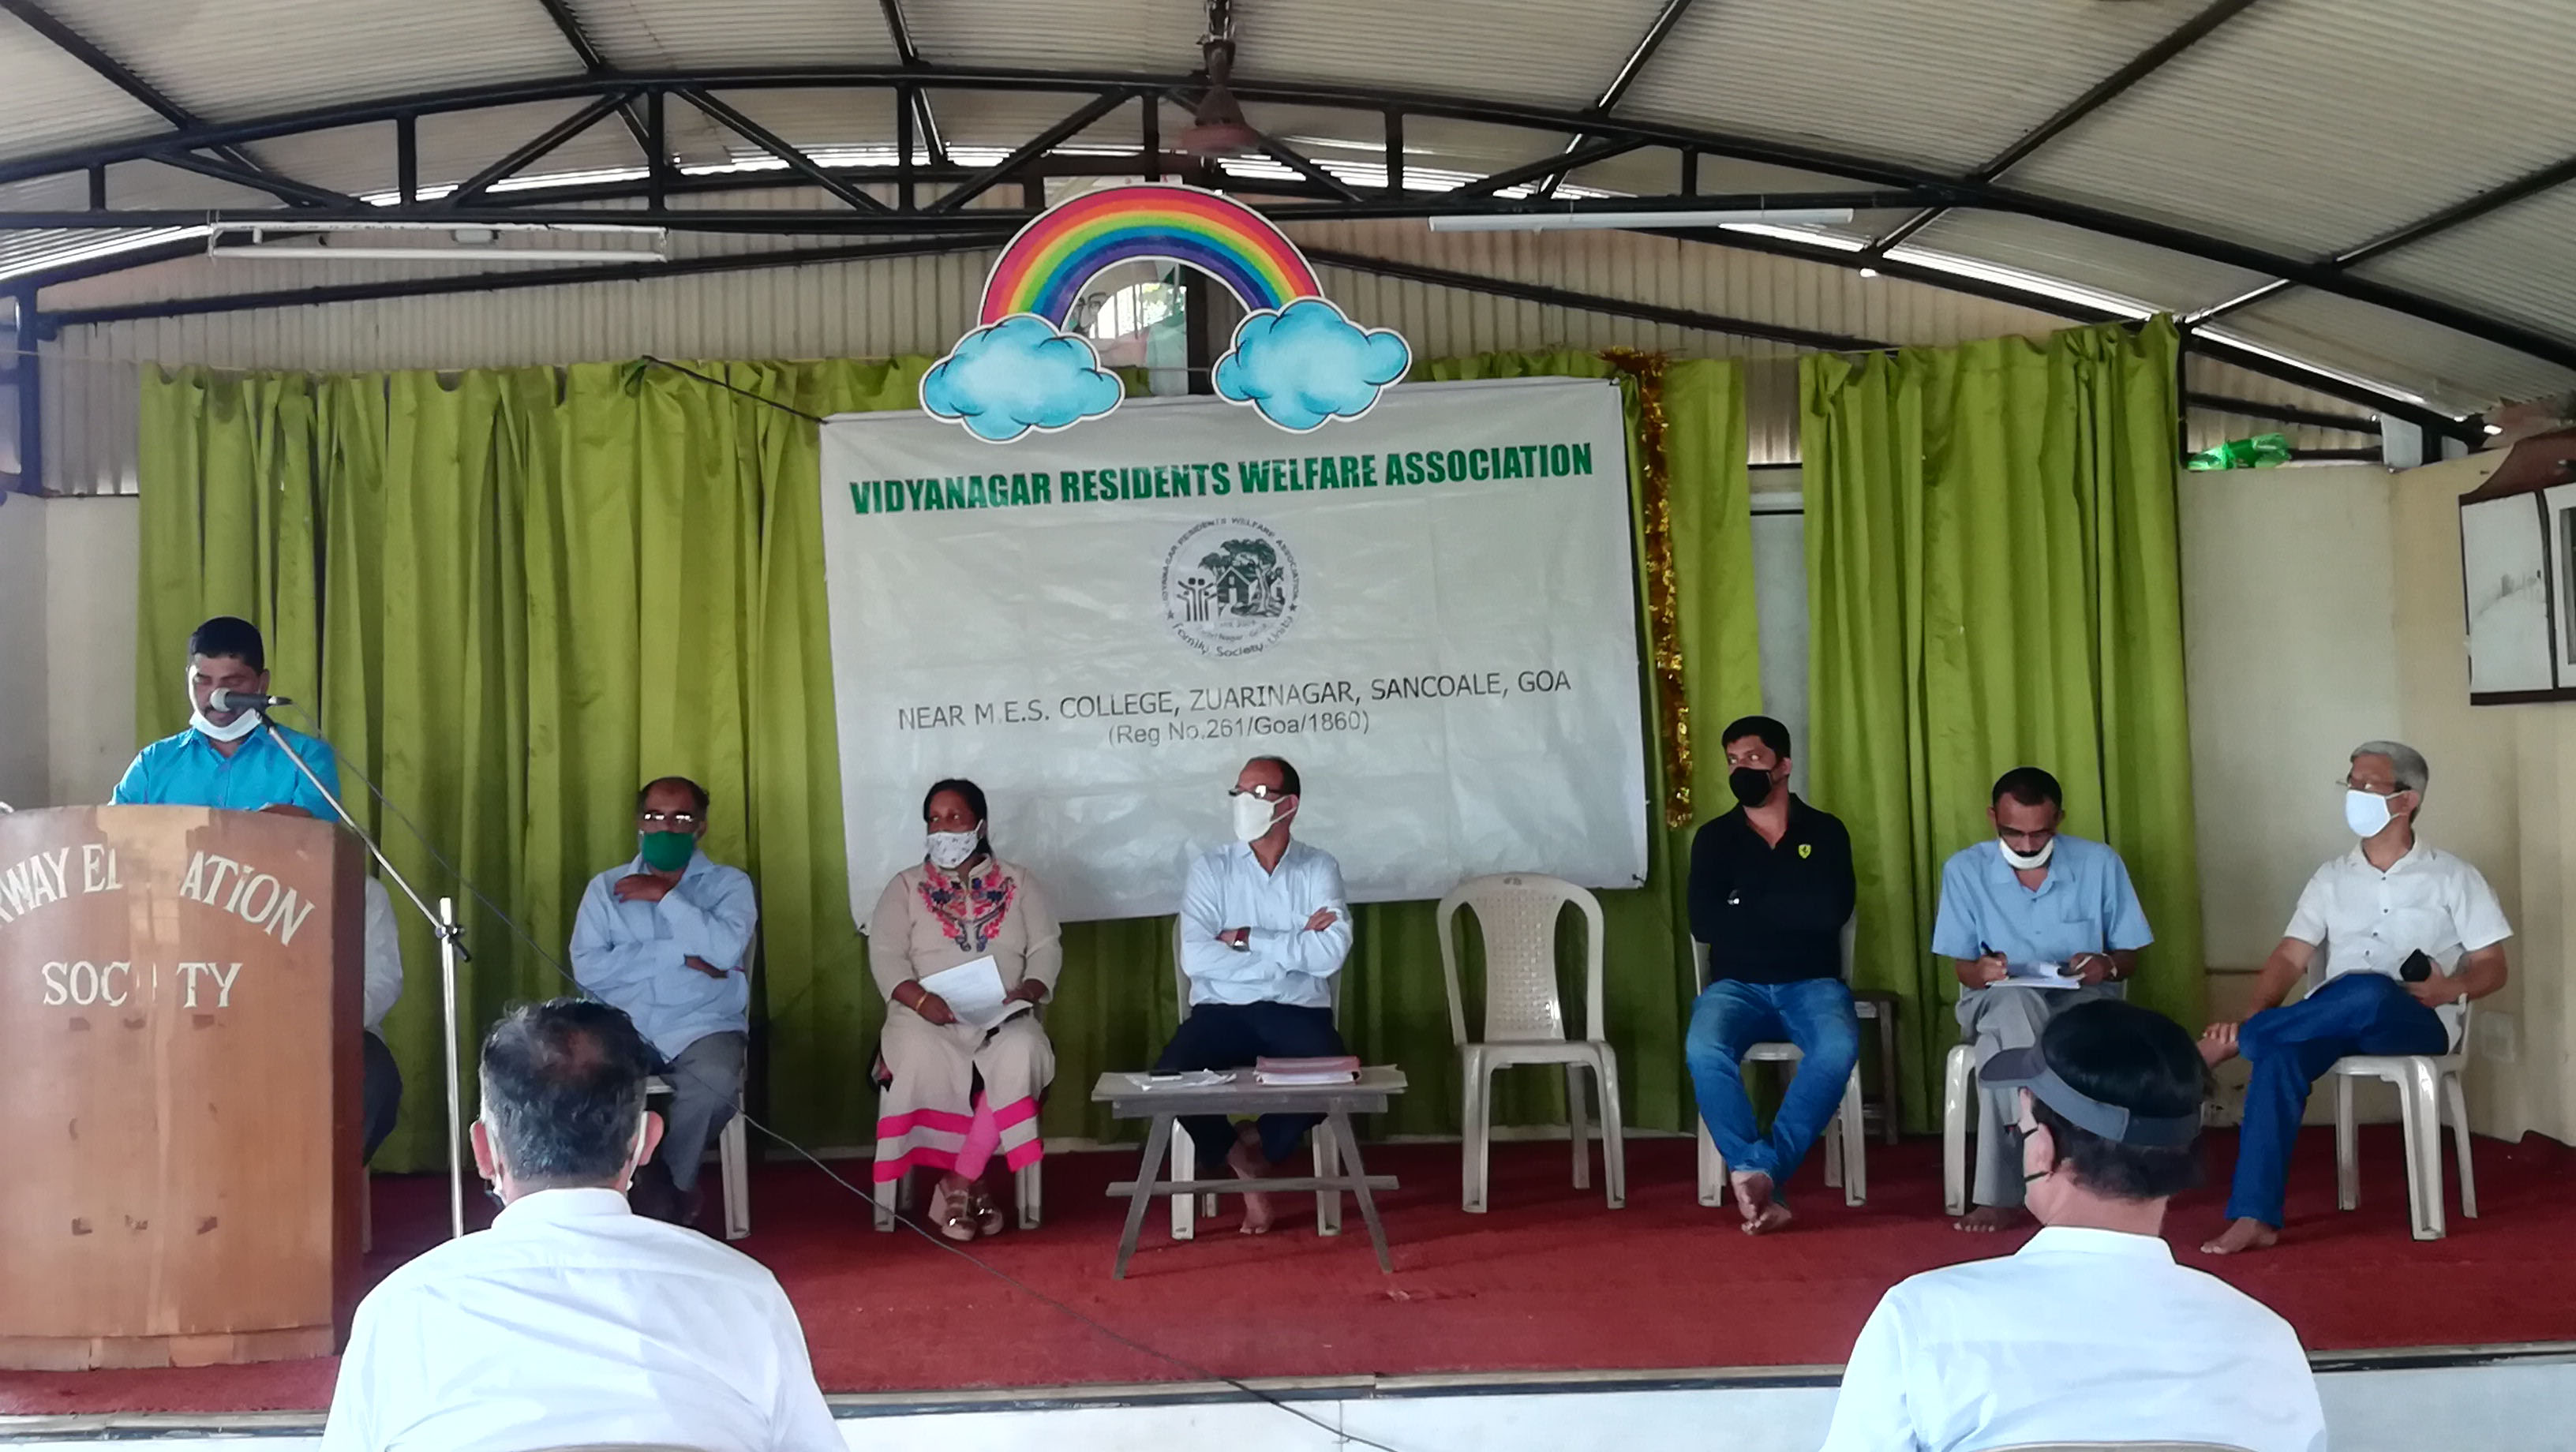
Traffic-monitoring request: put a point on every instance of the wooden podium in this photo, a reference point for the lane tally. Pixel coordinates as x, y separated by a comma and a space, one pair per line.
179, 1086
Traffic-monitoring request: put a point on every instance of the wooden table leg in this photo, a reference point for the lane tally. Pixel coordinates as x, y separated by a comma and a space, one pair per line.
1156, 1141
1356, 1175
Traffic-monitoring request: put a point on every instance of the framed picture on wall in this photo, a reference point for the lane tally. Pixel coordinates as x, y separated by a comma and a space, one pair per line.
2518, 576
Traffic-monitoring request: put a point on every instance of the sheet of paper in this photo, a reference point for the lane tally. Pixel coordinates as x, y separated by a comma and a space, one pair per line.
2040, 975
1186, 1079
974, 993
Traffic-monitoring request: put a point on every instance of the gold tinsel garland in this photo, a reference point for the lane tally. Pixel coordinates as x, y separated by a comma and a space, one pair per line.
1663, 630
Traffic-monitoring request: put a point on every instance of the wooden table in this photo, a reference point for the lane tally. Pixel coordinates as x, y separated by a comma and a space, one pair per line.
1127, 1098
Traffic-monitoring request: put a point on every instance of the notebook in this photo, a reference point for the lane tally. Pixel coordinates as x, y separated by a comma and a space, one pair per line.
1334, 1069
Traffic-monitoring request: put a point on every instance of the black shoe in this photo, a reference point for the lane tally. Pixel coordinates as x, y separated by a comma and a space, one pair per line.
653, 1195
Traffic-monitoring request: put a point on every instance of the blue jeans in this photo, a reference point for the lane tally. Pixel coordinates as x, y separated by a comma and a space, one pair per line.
2290, 1048
1731, 1017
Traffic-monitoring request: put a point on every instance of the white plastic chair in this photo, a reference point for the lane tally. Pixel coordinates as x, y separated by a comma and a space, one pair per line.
1184, 1154
733, 1161
1846, 1141
1958, 1073
2427, 1085
1525, 1021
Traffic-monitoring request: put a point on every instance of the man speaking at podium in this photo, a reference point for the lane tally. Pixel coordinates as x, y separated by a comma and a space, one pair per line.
223, 759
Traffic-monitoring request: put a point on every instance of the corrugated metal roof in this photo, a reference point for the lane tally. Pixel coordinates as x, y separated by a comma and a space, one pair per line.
2453, 372
1945, 83
1541, 51
2319, 124
48, 103
2300, 126
669, 35
240, 58
2152, 276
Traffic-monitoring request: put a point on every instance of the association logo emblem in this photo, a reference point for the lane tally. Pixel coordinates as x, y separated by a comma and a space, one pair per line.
1230, 587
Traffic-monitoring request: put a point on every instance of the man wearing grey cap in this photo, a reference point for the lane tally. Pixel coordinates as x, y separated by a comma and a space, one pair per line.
2090, 1333
2407, 933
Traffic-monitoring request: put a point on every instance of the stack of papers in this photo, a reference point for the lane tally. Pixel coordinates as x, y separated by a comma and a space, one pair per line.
2040, 975
1186, 1079
974, 992
1337, 1069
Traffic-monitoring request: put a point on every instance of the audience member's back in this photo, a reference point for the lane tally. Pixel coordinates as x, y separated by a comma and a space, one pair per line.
2090, 1333
573, 1321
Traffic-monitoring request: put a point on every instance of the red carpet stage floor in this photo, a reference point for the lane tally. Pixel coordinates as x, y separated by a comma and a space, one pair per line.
1547, 1280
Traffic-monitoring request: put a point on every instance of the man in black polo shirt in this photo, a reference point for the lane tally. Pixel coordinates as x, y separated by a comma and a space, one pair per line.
1770, 888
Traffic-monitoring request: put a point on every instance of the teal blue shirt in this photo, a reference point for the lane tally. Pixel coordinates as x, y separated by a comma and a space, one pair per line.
2084, 905
187, 771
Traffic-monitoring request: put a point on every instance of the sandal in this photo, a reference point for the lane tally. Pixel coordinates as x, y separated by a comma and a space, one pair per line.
988, 1215
953, 1214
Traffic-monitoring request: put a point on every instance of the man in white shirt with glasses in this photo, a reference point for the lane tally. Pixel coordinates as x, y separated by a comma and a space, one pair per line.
2409, 934
1265, 926
573, 1322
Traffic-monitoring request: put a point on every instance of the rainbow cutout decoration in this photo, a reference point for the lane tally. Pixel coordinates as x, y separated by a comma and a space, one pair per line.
1296, 358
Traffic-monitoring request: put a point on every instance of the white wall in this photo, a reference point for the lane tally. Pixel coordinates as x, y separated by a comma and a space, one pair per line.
23, 679
2290, 631
93, 552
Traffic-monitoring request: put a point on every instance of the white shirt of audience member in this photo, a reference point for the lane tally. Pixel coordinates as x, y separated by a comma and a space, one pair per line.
574, 1322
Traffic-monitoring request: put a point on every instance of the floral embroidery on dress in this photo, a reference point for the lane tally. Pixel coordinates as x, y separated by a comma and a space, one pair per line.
969, 909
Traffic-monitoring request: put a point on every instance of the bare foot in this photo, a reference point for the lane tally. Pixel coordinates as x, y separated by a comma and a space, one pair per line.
2242, 1235
1987, 1219
1752, 1192
2218, 1044
1246, 1162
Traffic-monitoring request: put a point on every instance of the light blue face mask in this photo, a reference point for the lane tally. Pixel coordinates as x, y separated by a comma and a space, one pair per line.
2366, 813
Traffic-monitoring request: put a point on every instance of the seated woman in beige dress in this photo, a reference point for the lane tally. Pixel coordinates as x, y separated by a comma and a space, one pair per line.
958, 1094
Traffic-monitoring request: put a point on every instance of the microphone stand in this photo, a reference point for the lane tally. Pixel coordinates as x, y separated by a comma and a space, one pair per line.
451, 951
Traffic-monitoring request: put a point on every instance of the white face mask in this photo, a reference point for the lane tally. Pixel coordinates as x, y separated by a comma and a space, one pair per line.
1252, 817
949, 850
2366, 813
243, 725
2031, 862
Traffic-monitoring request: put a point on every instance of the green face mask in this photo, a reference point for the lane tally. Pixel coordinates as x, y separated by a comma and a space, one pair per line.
669, 851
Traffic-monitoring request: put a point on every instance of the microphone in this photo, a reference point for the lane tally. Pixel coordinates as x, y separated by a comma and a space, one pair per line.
220, 699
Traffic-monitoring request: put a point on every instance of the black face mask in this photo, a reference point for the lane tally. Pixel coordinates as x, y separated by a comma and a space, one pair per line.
1751, 785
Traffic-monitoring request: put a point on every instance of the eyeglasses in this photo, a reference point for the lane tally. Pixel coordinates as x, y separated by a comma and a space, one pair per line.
1258, 794
669, 821
2347, 784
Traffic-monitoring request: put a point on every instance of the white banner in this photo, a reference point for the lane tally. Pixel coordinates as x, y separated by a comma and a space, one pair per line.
1429, 611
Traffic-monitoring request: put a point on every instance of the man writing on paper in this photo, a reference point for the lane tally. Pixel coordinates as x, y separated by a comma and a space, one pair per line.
2090, 1335
573, 1322
667, 938
1264, 929
2055, 912
2409, 932
224, 760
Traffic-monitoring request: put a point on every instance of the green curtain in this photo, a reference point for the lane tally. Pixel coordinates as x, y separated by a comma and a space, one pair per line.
517, 593
1993, 579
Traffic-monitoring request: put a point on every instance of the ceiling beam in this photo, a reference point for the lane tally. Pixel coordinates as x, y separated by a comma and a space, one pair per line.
1582, 155
595, 63
909, 56
2344, 423
1640, 53
1558, 297
527, 153
1932, 188
1031, 150
2423, 229
797, 161
116, 73
2103, 92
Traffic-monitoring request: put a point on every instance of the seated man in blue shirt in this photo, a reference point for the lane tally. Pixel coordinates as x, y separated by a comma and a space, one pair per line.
2054, 912
667, 938
224, 760
1264, 928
